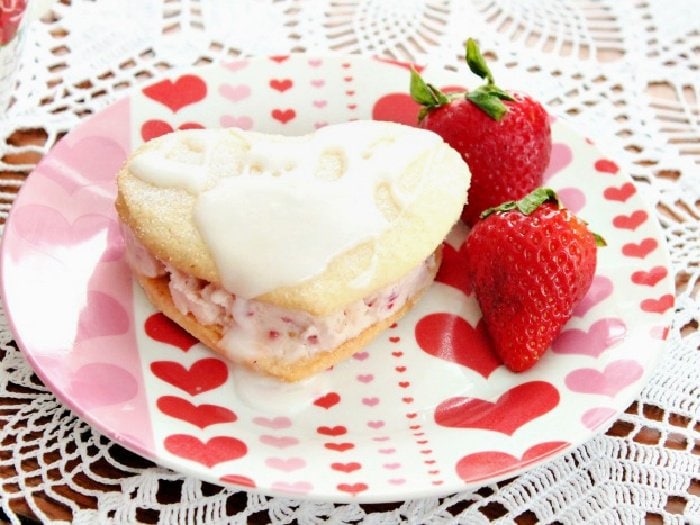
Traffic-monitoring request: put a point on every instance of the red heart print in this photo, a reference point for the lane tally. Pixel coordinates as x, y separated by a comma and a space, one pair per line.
212, 452
281, 85
156, 128
606, 166
481, 465
279, 58
204, 375
354, 488
620, 194
186, 90
516, 407
658, 306
283, 115
630, 222
237, 479
328, 400
451, 338
198, 415
452, 271
346, 467
651, 277
161, 328
396, 107
339, 447
640, 250
337, 430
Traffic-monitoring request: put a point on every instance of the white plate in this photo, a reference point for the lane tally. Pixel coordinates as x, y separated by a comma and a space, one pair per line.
424, 410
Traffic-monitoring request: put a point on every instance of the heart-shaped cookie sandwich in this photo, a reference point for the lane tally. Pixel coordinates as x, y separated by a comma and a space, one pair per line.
289, 254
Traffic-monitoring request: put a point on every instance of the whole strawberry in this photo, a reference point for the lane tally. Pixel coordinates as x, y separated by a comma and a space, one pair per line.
505, 138
530, 263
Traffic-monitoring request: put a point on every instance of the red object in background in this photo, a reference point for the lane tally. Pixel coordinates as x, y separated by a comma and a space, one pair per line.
11, 12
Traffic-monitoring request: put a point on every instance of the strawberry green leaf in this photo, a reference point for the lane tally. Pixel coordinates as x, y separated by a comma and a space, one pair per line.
477, 62
426, 94
527, 204
498, 92
535, 199
599, 240
488, 103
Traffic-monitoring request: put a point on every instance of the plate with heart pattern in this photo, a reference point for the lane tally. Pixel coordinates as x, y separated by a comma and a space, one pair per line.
424, 410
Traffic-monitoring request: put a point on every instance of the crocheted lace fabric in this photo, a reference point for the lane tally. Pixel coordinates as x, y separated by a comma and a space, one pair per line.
624, 72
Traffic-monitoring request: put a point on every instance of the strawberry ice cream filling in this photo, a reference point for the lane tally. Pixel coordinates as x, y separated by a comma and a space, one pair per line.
253, 328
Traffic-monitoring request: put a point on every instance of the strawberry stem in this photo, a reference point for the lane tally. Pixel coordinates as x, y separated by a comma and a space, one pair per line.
427, 95
476, 61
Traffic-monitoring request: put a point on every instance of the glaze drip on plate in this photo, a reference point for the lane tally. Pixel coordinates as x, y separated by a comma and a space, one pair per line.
262, 197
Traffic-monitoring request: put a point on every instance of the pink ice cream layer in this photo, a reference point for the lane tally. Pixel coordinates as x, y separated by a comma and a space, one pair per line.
253, 328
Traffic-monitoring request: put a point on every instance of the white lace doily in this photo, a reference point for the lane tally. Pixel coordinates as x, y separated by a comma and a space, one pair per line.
624, 72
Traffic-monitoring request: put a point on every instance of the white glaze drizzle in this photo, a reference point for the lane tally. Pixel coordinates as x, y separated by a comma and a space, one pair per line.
274, 218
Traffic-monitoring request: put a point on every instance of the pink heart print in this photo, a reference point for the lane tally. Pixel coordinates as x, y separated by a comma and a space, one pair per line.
234, 93
90, 160
600, 289
229, 121
293, 487
560, 158
602, 334
594, 417
97, 385
617, 376
273, 422
102, 316
286, 465
572, 198
43, 225
236, 65
279, 441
